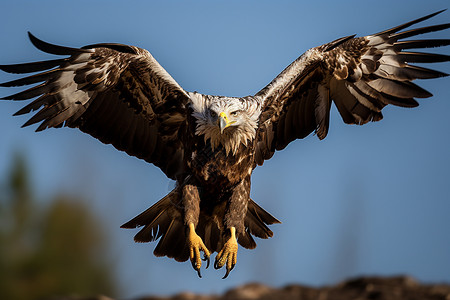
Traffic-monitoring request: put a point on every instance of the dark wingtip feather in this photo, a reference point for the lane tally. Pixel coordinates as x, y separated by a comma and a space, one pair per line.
401, 45
20, 112
335, 43
114, 46
408, 24
419, 57
54, 49
417, 31
32, 67
29, 93
30, 79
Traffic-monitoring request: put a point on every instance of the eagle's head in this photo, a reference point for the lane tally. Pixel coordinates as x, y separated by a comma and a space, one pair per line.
226, 120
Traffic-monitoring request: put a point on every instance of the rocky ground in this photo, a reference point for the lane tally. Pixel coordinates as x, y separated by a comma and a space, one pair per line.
391, 288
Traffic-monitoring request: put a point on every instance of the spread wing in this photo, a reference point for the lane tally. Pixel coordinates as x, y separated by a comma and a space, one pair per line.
361, 75
119, 94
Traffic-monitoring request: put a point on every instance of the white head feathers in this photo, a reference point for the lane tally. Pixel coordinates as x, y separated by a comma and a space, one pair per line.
243, 114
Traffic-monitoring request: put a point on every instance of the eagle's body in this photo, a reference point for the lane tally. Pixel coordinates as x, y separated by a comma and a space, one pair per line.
211, 144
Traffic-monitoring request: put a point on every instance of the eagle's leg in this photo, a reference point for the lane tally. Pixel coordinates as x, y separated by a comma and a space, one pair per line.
195, 246
234, 224
191, 203
228, 254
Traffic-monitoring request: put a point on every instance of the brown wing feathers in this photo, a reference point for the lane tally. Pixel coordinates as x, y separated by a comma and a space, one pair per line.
361, 75
385, 73
116, 93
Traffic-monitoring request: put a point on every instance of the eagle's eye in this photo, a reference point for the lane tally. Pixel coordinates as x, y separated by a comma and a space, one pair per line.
234, 113
213, 114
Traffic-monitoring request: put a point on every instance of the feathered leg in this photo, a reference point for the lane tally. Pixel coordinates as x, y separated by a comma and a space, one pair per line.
191, 203
234, 226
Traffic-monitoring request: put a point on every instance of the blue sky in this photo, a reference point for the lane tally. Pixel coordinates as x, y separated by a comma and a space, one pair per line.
367, 200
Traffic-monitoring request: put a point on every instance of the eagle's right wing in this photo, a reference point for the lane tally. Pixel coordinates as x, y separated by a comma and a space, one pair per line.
117, 93
360, 75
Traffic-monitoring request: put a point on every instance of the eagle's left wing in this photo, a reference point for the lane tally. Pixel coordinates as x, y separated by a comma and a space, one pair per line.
119, 94
361, 75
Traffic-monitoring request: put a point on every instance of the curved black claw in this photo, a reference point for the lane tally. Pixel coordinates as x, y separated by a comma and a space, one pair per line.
206, 258
228, 271
216, 265
195, 268
226, 274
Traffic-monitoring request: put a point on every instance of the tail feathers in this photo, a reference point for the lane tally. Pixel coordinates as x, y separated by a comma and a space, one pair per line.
173, 242
164, 221
246, 240
263, 214
155, 219
256, 222
210, 233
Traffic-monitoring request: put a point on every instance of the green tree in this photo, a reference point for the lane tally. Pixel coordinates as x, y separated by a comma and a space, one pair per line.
45, 252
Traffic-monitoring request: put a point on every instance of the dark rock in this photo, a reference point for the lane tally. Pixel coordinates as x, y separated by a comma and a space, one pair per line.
362, 288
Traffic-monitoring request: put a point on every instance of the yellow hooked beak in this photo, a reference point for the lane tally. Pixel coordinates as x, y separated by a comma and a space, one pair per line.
223, 121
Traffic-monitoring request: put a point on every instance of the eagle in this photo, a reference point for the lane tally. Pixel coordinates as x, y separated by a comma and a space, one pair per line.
211, 144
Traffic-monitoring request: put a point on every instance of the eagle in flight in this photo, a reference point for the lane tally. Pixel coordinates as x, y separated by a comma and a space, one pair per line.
210, 145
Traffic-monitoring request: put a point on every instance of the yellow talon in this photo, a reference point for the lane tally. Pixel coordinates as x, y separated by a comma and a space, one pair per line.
228, 254
195, 246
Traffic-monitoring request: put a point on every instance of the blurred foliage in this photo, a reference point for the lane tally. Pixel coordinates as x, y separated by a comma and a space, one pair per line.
48, 251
